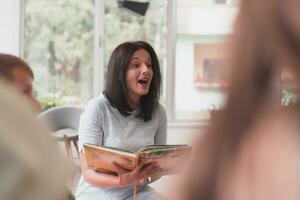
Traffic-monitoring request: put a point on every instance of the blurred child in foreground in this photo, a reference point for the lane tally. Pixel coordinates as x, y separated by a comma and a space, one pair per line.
252, 151
31, 167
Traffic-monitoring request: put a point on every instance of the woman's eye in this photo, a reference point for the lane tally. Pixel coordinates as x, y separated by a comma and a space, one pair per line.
135, 65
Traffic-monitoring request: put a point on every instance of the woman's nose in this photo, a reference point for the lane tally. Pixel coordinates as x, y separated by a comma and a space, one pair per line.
145, 68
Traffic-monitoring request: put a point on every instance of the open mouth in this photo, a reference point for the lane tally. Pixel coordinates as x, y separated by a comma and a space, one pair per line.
143, 81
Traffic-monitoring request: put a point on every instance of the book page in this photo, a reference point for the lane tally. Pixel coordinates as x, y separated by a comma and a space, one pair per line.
166, 146
167, 157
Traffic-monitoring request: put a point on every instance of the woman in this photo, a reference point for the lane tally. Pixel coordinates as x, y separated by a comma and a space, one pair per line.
252, 151
127, 116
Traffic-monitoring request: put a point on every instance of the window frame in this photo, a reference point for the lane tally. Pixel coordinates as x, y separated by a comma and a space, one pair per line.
174, 121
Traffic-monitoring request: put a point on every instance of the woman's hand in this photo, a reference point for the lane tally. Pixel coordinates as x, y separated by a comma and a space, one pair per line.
137, 176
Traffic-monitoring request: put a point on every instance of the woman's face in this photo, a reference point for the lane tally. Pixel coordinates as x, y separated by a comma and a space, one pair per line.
139, 75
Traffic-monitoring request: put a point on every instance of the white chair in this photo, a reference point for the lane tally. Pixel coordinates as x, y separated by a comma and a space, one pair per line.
63, 121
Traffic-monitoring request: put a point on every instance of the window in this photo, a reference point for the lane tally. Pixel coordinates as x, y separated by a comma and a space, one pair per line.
209, 64
68, 43
233, 2
227, 2
58, 45
122, 25
220, 1
63, 39
202, 32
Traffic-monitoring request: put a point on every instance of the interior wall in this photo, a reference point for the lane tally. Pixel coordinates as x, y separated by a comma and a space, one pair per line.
182, 134
10, 26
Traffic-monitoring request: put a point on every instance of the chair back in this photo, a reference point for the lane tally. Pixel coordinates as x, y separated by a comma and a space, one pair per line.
62, 117
63, 121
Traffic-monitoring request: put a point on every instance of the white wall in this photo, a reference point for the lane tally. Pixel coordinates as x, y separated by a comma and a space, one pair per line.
181, 134
10, 26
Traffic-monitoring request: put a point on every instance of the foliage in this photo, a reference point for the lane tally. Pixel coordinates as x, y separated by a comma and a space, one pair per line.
50, 101
59, 39
120, 25
59, 44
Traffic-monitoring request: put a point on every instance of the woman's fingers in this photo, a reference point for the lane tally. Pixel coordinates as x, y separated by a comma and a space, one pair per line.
138, 175
144, 176
141, 168
148, 170
120, 169
148, 161
142, 181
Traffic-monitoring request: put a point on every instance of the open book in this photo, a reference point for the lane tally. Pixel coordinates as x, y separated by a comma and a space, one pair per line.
167, 157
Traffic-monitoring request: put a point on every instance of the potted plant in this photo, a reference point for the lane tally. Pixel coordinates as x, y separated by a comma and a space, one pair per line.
50, 101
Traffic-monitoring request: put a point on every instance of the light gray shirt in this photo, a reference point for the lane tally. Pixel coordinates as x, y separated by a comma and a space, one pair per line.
102, 124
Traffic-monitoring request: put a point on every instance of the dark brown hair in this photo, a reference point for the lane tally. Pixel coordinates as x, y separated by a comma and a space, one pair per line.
9, 62
260, 45
116, 90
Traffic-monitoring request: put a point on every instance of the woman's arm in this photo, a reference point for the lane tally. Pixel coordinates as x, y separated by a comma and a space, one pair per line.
124, 178
97, 178
90, 132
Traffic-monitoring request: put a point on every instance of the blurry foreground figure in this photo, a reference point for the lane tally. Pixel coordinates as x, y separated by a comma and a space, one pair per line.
31, 167
19, 75
252, 150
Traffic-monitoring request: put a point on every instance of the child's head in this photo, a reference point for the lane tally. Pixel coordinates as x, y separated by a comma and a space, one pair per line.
19, 75
133, 77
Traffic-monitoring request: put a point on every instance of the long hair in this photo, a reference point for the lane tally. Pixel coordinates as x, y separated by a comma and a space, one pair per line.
9, 62
266, 34
116, 90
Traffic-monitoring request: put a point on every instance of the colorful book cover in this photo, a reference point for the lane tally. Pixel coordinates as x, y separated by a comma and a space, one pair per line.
167, 157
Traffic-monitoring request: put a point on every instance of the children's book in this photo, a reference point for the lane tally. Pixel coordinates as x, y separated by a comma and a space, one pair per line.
167, 157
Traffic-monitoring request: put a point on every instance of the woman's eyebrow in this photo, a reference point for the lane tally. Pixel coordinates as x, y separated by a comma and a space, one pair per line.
135, 58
